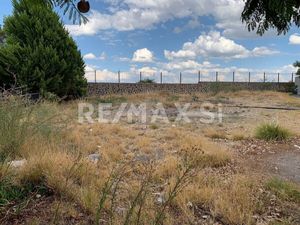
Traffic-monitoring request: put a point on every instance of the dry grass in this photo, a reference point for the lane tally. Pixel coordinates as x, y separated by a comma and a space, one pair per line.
145, 174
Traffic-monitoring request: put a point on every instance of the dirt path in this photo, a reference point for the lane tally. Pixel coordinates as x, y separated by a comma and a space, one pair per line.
286, 165
275, 159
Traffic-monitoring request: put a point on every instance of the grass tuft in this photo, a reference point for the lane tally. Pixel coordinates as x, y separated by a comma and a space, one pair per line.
284, 189
272, 132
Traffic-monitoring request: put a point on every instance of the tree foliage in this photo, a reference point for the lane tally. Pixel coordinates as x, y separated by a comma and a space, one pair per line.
2, 36
39, 53
69, 7
297, 64
261, 15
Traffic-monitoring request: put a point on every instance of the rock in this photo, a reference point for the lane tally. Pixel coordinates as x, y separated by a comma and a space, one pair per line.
18, 163
190, 205
159, 198
94, 158
38, 196
205, 217
121, 210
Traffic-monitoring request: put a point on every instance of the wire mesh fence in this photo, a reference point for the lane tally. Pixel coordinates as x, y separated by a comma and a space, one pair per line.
187, 77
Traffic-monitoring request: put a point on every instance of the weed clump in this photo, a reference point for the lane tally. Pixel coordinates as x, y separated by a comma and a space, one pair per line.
284, 190
272, 132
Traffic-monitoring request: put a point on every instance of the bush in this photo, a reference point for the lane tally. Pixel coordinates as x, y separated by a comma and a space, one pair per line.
39, 53
272, 132
147, 81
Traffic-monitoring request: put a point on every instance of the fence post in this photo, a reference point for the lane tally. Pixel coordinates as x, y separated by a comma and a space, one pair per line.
217, 74
180, 78
119, 76
161, 77
278, 77
95, 76
140, 76
264, 77
292, 77
199, 76
233, 76
249, 77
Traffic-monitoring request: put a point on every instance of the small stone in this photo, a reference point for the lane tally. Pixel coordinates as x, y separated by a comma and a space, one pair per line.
190, 205
94, 158
17, 163
38, 196
205, 217
120, 210
159, 198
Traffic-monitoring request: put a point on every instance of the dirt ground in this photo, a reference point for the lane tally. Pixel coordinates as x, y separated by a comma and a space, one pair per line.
242, 113
229, 187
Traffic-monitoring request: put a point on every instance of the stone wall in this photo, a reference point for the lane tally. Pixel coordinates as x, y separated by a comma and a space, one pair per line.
98, 89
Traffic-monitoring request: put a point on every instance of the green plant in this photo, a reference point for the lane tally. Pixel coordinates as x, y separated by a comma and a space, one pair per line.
14, 126
109, 191
284, 189
147, 81
173, 98
112, 99
39, 53
154, 127
272, 131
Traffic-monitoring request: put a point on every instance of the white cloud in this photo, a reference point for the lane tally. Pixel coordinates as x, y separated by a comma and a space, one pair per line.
136, 14
148, 70
170, 55
92, 56
294, 39
214, 44
143, 56
89, 56
104, 75
263, 51
191, 24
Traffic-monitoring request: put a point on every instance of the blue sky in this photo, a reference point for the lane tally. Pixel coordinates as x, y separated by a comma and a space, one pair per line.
172, 36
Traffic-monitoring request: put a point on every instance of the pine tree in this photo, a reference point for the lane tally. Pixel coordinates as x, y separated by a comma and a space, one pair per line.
39, 53
2, 36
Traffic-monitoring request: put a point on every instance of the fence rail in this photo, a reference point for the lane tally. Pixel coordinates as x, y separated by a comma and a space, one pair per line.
188, 77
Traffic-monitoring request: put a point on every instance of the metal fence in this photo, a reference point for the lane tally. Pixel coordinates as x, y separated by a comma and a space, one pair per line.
98, 76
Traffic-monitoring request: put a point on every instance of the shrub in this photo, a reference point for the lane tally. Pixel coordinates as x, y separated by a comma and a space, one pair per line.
39, 53
271, 132
147, 81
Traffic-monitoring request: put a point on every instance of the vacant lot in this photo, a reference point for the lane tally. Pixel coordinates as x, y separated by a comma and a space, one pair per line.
176, 172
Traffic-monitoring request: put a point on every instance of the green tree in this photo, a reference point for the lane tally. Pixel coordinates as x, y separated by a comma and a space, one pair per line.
261, 15
2, 36
297, 65
39, 53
